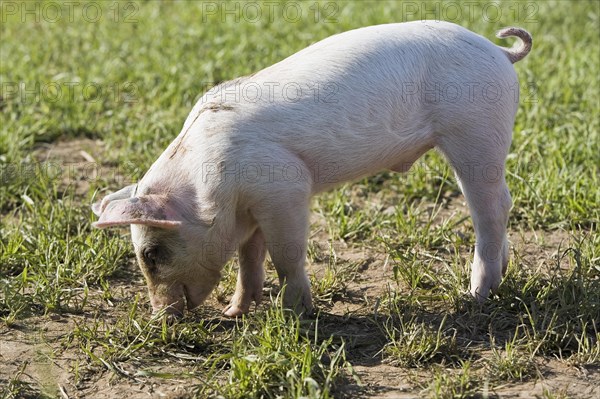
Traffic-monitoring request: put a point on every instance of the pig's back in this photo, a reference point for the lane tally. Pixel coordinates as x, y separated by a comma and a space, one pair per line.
382, 59
367, 98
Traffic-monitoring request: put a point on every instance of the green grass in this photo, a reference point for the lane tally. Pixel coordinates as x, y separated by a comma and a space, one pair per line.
123, 89
273, 355
454, 385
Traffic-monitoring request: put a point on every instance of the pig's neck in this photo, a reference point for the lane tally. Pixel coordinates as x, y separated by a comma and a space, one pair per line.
230, 225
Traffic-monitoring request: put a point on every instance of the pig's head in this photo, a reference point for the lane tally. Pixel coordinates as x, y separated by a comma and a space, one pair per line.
168, 241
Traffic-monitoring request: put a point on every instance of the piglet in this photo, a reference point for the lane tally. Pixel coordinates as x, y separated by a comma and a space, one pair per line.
254, 150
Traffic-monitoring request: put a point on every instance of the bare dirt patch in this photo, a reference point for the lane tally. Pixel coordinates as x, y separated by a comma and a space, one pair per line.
70, 162
80, 165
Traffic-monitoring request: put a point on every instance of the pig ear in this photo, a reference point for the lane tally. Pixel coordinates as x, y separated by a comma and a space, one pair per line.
125, 192
149, 210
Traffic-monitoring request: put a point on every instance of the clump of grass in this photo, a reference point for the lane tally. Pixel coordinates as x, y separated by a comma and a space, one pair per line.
588, 348
16, 388
226, 286
560, 310
115, 345
345, 220
513, 363
559, 394
272, 356
414, 343
448, 384
49, 256
333, 282
418, 245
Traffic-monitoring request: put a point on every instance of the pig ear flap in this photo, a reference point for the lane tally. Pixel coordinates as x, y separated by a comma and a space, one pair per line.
148, 210
125, 192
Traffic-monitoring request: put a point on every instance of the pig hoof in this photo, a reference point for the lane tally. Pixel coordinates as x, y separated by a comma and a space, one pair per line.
235, 310
303, 307
306, 313
480, 295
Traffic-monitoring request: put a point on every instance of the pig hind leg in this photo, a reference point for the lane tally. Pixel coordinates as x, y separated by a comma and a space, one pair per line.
479, 163
251, 275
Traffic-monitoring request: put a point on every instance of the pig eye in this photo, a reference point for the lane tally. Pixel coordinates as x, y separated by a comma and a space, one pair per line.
151, 255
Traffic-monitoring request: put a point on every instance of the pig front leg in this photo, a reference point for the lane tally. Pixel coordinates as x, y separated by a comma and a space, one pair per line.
251, 276
284, 220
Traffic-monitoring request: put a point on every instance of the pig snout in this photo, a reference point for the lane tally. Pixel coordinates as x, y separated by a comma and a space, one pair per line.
174, 300
171, 299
